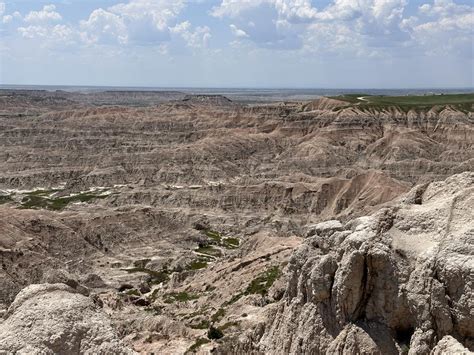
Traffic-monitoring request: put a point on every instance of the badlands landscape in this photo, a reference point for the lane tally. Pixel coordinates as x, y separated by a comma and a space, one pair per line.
169, 223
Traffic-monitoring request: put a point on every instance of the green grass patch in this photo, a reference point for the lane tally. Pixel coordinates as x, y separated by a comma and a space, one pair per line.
39, 200
215, 236
216, 317
260, 285
197, 264
179, 297
230, 243
463, 102
235, 298
351, 98
5, 199
263, 282
199, 312
209, 250
217, 239
199, 342
42, 192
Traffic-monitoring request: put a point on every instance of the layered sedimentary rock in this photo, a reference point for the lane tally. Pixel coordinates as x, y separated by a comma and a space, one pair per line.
398, 281
282, 227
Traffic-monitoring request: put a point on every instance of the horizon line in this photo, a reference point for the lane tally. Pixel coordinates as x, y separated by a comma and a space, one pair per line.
240, 87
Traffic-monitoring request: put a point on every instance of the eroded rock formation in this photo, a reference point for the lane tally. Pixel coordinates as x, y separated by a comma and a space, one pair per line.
199, 224
398, 281
56, 319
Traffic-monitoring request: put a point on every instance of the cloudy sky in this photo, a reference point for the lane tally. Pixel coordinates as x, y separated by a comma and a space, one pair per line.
238, 43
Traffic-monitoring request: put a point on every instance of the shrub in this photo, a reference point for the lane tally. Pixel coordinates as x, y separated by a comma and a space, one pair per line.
197, 344
214, 333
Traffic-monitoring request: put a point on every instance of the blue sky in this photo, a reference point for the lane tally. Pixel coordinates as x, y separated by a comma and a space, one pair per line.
238, 43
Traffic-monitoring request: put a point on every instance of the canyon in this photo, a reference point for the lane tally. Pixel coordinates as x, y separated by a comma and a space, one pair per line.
168, 222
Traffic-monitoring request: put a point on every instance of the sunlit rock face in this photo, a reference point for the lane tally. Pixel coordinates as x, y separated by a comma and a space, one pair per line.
283, 227
399, 280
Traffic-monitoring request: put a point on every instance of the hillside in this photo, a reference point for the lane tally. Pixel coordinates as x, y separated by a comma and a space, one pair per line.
291, 227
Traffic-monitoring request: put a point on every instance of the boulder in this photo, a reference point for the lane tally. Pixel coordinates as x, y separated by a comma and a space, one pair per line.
57, 319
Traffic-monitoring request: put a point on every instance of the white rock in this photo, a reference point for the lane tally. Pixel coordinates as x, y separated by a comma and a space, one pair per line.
56, 319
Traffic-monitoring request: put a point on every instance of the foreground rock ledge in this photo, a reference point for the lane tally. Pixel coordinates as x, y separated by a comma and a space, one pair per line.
55, 319
400, 281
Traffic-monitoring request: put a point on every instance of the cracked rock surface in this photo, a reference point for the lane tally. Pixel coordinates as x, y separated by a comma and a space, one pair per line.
400, 280
56, 319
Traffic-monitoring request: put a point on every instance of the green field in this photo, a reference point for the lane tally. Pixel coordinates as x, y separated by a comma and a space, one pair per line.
43, 199
464, 102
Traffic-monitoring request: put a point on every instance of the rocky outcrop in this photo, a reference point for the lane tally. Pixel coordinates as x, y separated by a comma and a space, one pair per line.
179, 213
56, 319
208, 100
399, 281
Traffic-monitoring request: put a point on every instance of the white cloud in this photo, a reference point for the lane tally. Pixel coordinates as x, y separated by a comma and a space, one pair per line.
295, 10
158, 12
48, 13
131, 23
267, 23
103, 27
233, 8
142, 22
444, 8
57, 33
443, 27
374, 22
363, 27
197, 38
342, 27
237, 32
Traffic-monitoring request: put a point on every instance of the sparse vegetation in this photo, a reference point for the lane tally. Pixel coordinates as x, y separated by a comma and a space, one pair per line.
214, 333
230, 243
259, 285
204, 324
42, 199
42, 192
179, 297
235, 298
196, 313
197, 264
199, 342
263, 282
155, 310
209, 250
216, 317
228, 325
5, 199
213, 235
225, 242
157, 277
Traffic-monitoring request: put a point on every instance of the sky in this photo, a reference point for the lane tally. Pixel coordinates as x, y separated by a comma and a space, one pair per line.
238, 43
